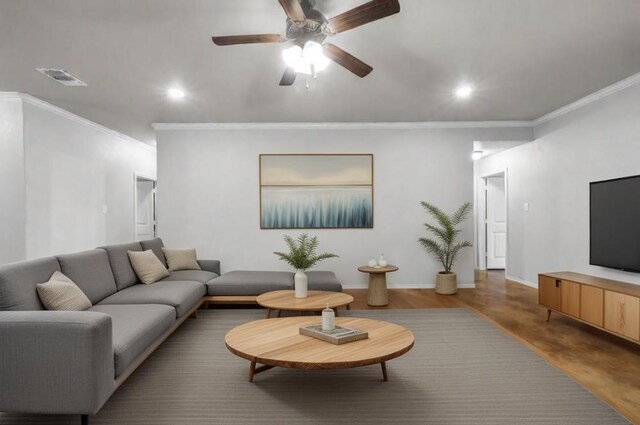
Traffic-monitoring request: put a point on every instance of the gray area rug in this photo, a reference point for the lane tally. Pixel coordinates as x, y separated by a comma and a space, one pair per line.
462, 370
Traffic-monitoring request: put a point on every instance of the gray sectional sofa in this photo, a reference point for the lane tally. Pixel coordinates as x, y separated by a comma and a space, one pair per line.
70, 362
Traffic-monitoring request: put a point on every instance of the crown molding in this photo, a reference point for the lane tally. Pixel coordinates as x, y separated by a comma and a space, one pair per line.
10, 95
341, 125
34, 101
589, 99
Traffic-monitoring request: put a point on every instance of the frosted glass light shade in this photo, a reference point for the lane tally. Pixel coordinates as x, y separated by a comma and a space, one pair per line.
292, 56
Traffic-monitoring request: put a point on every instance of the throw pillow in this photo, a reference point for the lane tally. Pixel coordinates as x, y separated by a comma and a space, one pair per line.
61, 293
181, 259
147, 266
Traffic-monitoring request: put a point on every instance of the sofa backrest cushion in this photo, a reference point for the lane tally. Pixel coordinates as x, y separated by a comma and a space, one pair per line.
120, 266
155, 245
90, 270
18, 283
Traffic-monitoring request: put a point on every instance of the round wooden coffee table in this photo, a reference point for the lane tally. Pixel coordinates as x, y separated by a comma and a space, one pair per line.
315, 301
277, 342
377, 295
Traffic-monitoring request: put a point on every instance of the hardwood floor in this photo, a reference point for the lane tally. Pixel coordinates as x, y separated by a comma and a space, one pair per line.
604, 364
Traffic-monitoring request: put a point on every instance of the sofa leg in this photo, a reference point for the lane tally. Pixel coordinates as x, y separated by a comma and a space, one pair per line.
84, 419
194, 315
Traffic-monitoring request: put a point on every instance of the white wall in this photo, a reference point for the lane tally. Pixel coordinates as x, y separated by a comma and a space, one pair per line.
74, 168
208, 195
57, 171
12, 185
552, 173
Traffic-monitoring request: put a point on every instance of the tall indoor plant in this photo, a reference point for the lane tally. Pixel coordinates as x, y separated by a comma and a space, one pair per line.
442, 244
302, 256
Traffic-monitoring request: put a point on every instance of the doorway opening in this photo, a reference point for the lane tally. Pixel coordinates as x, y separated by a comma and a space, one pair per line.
144, 208
493, 222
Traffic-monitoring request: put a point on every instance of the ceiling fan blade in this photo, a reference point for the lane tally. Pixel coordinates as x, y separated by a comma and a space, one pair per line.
363, 14
346, 60
229, 40
288, 77
293, 10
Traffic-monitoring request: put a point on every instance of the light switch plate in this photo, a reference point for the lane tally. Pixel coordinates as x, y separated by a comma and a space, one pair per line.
526, 206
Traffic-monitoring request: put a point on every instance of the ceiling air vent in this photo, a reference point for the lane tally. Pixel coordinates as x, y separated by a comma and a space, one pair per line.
61, 76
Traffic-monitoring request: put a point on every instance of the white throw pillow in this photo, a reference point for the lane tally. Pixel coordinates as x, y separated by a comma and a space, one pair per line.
61, 293
147, 266
181, 259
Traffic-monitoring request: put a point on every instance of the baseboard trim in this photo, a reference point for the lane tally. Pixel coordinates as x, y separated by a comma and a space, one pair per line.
521, 281
411, 286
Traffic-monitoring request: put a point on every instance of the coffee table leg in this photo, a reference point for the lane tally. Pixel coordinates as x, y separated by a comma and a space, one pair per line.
253, 370
279, 313
268, 313
384, 371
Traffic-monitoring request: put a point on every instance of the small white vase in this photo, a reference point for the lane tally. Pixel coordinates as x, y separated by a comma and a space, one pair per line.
372, 262
381, 261
301, 283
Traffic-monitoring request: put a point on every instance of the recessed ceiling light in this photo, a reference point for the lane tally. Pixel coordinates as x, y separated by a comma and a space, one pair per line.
464, 91
175, 93
477, 154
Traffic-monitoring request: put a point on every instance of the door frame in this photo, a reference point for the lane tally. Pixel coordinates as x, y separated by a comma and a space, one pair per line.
143, 177
481, 218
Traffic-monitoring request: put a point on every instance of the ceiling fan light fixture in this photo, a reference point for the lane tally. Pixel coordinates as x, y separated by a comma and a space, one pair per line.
292, 56
307, 60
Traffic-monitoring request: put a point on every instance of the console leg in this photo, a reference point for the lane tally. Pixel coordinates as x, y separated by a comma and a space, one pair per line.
384, 371
548, 314
84, 419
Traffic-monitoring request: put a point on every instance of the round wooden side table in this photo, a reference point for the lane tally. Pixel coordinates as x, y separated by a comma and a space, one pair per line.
316, 301
378, 284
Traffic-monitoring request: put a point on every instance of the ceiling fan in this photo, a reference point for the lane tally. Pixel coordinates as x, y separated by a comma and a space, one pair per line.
307, 29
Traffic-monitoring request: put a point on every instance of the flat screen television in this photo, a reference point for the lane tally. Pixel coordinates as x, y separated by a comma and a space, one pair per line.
615, 224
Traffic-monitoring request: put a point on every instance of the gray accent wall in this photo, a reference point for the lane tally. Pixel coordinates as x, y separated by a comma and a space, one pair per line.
208, 194
552, 174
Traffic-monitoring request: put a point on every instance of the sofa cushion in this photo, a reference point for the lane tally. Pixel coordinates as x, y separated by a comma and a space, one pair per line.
241, 282
195, 275
147, 266
18, 283
60, 293
90, 270
155, 245
135, 327
179, 294
181, 259
120, 265
323, 281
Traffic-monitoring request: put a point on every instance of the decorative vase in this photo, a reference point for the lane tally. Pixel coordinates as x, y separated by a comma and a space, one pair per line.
381, 261
372, 262
446, 283
301, 283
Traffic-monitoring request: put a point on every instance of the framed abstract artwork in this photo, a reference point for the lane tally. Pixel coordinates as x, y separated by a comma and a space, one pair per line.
316, 191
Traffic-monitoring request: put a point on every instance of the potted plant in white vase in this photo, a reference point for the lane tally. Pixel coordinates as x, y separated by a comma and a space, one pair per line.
302, 256
443, 245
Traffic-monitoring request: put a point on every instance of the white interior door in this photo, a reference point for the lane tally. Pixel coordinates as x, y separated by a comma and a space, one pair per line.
496, 204
145, 210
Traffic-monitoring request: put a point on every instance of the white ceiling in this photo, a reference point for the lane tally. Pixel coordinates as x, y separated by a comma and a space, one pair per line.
525, 57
